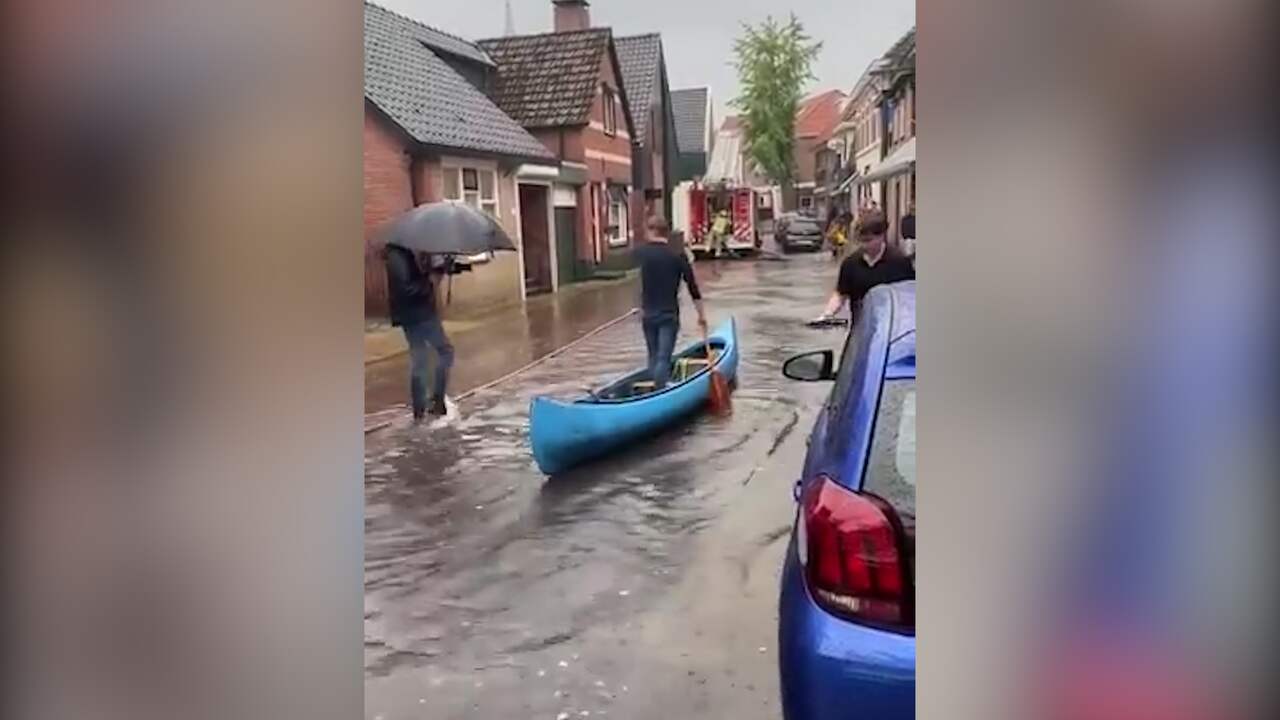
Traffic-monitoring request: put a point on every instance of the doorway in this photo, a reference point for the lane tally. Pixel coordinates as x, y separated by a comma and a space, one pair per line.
568, 226
535, 238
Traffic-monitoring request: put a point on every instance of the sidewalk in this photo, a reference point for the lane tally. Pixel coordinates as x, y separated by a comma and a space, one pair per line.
491, 345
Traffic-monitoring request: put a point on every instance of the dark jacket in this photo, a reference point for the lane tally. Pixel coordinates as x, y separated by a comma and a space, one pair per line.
909, 226
411, 292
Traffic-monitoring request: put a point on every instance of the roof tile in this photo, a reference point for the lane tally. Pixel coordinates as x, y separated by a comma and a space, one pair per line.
641, 59
689, 106
550, 79
435, 105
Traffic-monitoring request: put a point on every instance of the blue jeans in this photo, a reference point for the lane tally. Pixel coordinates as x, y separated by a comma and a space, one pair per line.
660, 338
420, 336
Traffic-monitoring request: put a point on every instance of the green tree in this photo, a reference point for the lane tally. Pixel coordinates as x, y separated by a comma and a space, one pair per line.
774, 62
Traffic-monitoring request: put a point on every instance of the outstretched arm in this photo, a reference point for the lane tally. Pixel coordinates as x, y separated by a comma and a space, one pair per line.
834, 305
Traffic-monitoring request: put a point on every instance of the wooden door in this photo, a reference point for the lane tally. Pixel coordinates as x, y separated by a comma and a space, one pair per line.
535, 244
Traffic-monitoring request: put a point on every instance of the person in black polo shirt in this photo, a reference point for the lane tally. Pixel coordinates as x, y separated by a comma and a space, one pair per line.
874, 263
662, 267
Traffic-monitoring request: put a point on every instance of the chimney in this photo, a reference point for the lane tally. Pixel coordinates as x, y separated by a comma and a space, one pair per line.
571, 15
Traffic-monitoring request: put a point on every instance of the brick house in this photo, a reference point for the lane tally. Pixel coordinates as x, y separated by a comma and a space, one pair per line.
816, 121
565, 88
431, 134
644, 78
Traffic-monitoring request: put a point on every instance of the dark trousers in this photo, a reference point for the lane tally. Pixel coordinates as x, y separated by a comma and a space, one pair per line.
428, 333
660, 332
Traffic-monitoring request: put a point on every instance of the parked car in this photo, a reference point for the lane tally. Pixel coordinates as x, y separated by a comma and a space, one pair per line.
847, 645
801, 233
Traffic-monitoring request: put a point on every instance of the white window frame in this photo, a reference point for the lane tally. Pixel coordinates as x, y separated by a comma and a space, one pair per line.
475, 198
610, 104
617, 224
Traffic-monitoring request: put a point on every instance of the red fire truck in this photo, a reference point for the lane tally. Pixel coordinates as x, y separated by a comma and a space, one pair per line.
694, 207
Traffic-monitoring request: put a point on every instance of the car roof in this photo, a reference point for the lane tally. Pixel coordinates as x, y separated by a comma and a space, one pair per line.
902, 333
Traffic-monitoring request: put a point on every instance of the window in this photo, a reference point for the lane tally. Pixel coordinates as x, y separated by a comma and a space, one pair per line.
610, 112
618, 228
806, 202
891, 468
476, 187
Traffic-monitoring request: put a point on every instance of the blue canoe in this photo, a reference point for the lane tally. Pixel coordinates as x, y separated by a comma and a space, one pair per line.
564, 434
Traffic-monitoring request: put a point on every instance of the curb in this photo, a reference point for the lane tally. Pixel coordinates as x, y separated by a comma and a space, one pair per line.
379, 425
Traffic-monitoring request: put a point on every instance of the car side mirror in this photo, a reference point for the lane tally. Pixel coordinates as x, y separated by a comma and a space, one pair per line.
813, 366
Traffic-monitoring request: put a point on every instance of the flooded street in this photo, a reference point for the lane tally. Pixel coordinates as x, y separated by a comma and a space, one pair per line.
640, 586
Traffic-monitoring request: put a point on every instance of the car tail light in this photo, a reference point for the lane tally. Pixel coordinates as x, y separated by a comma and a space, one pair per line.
851, 547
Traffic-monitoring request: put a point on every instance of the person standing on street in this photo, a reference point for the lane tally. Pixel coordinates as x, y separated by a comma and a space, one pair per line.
909, 229
412, 291
874, 263
720, 230
662, 268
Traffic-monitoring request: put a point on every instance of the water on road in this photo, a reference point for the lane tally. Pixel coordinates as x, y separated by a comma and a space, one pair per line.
642, 585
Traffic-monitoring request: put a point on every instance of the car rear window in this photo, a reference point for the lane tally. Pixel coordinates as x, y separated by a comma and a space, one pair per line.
891, 470
803, 226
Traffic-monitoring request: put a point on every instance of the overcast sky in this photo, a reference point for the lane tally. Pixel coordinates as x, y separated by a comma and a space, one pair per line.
698, 35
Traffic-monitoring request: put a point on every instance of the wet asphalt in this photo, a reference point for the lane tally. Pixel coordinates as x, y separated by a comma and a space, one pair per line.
643, 585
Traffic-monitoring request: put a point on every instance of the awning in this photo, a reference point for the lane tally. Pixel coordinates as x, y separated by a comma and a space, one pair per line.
847, 182
902, 160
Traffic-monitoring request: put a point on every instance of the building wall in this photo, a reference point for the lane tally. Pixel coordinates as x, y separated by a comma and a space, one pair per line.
387, 193
395, 182
900, 191
609, 162
690, 166
491, 284
805, 161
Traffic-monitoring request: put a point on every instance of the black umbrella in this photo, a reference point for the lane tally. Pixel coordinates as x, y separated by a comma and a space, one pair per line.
448, 228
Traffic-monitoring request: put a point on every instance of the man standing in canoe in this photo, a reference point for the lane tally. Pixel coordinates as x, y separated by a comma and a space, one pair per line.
662, 267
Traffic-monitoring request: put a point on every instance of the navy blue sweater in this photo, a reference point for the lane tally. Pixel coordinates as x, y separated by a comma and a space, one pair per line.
662, 268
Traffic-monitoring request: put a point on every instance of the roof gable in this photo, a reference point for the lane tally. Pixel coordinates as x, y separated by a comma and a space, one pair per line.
640, 61
550, 79
689, 107
432, 103
818, 115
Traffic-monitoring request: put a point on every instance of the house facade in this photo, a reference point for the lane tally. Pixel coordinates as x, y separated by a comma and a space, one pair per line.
861, 132
828, 163
565, 88
897, 173
644, 78
431, 134
816, 121
695, 132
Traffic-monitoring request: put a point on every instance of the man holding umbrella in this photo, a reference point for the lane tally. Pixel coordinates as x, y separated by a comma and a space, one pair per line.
412, 291
421, 245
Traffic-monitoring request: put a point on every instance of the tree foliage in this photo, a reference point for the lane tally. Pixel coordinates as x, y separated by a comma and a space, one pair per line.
774, 62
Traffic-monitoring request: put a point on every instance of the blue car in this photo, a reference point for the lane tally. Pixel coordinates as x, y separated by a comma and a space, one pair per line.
846, 634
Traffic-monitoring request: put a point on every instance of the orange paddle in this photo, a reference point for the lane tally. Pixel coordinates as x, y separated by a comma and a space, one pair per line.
718, 400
